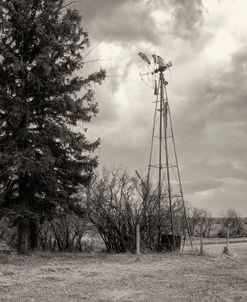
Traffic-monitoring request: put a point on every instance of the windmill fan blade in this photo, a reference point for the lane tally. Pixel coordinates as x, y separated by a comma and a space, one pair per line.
144, 57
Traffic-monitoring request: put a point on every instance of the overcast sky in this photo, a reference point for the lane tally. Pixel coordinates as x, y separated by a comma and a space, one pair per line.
206, 41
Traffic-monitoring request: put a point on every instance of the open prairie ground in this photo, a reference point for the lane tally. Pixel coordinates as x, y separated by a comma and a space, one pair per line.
174, 277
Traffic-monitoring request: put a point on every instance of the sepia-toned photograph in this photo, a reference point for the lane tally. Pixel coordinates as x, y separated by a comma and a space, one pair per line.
123, 150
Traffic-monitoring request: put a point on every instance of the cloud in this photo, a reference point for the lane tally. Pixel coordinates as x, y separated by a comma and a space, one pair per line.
201, 184
219, 199
119, 21
211, 134
130, 21
216, 106
188, 18
207, 92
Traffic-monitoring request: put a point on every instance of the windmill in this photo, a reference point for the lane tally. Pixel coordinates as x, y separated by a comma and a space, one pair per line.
163, 168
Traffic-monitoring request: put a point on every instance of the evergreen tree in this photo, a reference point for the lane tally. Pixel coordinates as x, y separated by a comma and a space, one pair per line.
43, 159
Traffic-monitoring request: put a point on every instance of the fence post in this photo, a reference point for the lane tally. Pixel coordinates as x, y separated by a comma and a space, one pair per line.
226, 247
138, 241
201, 239
227, 237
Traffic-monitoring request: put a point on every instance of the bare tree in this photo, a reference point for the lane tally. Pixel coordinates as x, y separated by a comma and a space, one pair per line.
232, 220
112, 207
64, 233
200, 221
117, 202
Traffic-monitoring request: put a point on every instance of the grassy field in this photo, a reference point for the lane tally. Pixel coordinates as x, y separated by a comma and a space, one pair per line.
100, 277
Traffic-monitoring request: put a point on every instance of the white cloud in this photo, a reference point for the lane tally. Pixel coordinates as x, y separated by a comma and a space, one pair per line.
206, 41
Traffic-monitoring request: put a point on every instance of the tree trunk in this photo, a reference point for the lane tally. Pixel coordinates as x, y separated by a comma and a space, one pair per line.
33, 235
27, 237
23, 238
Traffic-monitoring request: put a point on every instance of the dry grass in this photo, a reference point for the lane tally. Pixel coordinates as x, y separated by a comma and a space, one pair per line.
101, 277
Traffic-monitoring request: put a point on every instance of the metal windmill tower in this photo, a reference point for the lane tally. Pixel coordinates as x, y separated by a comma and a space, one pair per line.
163, 168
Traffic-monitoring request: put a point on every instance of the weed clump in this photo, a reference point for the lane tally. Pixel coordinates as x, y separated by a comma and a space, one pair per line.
226, 251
